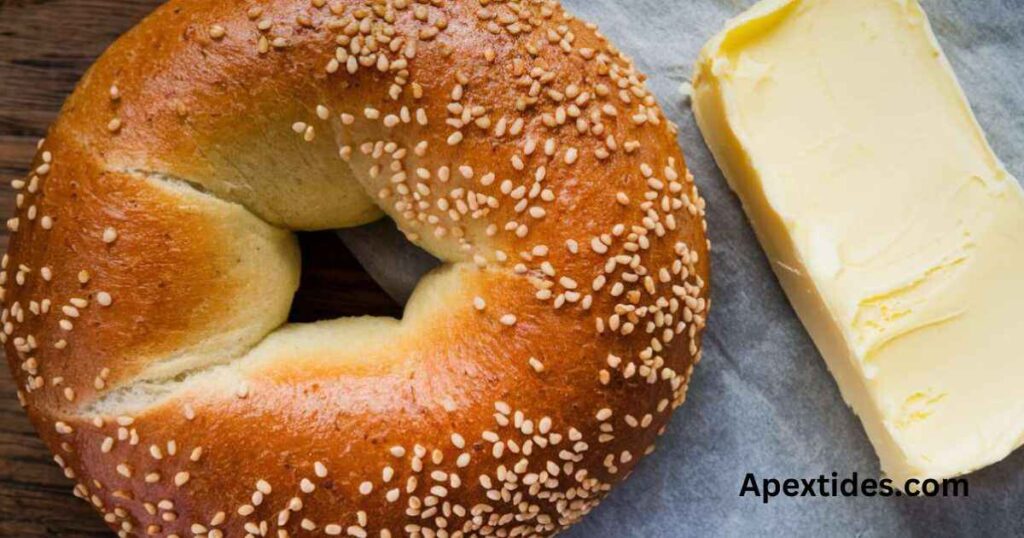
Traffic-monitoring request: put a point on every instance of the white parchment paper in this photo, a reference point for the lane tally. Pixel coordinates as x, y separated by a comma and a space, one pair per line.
762, 400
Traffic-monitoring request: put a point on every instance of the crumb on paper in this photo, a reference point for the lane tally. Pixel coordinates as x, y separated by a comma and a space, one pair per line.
686, 90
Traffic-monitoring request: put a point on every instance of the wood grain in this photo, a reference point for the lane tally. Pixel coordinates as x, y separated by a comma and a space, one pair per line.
45, 46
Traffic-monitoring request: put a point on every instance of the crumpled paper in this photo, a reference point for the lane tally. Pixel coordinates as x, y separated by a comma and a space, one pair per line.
762, 400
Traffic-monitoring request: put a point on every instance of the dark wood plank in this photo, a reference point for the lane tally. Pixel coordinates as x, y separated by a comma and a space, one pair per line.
45, 46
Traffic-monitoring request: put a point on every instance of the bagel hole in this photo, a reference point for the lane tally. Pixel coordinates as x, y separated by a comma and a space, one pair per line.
368, 270
333, 283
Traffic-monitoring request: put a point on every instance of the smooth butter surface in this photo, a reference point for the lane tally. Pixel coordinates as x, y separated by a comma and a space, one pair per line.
895, 231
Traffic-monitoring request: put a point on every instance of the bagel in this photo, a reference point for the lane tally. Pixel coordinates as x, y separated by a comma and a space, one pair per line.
152, 265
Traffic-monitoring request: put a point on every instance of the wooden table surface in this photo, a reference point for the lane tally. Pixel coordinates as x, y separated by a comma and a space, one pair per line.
45, 46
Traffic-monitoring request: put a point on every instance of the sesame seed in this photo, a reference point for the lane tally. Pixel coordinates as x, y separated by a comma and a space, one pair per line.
263, 486
508, 319
320, 469
109, 235
217, 31
181, 478
571, 155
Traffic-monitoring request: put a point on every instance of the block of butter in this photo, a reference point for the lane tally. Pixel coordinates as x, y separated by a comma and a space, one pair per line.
895, 231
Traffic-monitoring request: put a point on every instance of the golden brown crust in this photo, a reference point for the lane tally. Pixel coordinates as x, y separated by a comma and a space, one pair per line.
527, 377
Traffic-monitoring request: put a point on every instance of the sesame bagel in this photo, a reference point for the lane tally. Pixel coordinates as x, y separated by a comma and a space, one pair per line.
152, 266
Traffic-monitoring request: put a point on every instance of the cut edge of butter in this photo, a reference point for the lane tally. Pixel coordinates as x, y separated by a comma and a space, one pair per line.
805, 144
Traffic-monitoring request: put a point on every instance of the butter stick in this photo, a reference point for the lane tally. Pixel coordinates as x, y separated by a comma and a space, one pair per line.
895, 231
